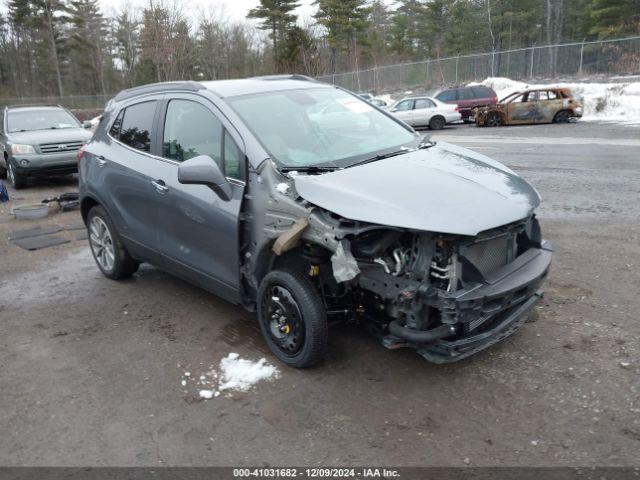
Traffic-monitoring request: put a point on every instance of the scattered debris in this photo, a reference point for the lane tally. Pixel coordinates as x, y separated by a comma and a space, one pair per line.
625, 364
66, 202
4, 193
32, 211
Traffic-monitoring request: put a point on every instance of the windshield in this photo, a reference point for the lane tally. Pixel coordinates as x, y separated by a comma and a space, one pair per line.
26, 120
319, 127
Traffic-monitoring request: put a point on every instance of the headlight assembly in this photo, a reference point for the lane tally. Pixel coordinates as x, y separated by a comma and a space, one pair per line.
18, 149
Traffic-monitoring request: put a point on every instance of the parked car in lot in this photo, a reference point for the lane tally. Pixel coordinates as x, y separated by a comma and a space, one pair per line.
547, 105
233, 186
425, 112
39, 141
365, 95
378, 102
467, 98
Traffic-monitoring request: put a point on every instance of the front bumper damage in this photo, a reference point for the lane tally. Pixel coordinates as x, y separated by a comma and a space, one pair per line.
476, 317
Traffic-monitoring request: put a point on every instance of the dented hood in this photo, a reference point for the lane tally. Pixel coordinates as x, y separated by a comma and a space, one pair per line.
445, 188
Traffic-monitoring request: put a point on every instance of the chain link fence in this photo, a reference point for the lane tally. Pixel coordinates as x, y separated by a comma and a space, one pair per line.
569, 60
72, 102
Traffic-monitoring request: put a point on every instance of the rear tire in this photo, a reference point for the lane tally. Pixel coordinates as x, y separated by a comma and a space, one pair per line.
110, 255
437, 123
16, 180
561, 117
292, 318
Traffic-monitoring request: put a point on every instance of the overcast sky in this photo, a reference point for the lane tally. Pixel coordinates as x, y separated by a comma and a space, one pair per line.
235, 9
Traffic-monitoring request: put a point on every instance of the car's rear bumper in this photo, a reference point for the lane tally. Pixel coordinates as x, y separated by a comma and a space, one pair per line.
488, 312
46, 165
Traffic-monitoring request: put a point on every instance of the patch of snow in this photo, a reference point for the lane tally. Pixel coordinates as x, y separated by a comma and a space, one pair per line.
207, 394
240, 374
603, 102
282, 188
233, 373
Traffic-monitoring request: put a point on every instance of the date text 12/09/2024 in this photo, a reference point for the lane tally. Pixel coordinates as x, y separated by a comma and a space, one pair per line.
317, 472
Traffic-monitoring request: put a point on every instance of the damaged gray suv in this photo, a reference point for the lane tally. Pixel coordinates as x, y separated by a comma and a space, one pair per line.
307, 204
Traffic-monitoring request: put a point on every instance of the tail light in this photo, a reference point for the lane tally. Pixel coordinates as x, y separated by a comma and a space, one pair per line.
495, 99
457, 108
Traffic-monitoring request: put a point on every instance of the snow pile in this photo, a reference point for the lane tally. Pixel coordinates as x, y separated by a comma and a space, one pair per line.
606, 102
240, 374
232, 373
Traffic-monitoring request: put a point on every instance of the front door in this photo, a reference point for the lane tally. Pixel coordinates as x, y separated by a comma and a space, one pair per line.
404, 111
524, 109
199, 230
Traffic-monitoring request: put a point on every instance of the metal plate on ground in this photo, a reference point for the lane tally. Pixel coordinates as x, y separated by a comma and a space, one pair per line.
75, 226
39, 242
33, 232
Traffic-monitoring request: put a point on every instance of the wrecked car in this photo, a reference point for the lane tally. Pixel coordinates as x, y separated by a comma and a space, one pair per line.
547, 105
233, 186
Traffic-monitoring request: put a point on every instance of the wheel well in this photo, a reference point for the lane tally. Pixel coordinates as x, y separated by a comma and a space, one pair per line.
568, 110
437, 116
87, 204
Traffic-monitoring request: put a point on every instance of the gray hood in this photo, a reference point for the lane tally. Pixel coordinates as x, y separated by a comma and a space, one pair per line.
62, 135
445, 188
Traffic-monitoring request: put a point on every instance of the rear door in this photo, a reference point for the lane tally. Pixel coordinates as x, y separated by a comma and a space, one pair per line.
122, 171
549, 103
423, 110
199, 230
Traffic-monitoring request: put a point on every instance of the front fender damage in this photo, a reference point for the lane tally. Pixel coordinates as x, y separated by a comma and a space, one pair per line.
445, 295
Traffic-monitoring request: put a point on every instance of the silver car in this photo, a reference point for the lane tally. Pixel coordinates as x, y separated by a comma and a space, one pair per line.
425, 112
237, 187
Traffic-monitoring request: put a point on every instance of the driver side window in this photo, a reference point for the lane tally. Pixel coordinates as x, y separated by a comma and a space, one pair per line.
404, 106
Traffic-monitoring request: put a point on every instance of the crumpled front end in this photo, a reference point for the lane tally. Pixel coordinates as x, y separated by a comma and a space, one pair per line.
449, 297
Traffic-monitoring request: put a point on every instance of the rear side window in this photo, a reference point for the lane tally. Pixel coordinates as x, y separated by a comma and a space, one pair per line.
423, 103
133, 126
481, 92
465, 94
447, 96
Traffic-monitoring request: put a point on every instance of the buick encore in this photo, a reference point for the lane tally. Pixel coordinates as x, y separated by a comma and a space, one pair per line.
242, 188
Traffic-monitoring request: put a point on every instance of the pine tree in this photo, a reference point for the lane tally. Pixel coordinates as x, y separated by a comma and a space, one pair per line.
277, 17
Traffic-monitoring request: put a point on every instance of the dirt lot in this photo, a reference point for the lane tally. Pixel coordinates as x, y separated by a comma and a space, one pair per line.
90, 369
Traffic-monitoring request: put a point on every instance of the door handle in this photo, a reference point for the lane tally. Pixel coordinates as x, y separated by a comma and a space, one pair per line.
160, 186
101, 161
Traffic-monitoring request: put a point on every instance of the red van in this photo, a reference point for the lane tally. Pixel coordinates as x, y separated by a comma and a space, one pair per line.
467, 98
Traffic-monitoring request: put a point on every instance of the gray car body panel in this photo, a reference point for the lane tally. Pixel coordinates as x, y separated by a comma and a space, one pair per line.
444, 189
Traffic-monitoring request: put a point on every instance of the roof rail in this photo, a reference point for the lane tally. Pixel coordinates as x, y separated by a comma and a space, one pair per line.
158, 87
27, 105
286, 76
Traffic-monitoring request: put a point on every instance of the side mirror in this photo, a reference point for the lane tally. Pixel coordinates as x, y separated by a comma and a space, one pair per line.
203, 170
86, 124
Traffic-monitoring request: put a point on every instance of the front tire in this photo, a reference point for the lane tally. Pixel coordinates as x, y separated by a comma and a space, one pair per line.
292, 318
16, 180
493, 120
437, 123
110, 255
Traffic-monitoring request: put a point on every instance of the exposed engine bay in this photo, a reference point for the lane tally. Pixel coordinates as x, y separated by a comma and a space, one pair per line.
445, 295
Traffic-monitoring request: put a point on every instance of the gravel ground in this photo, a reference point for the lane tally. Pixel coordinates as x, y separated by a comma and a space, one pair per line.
91, 370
